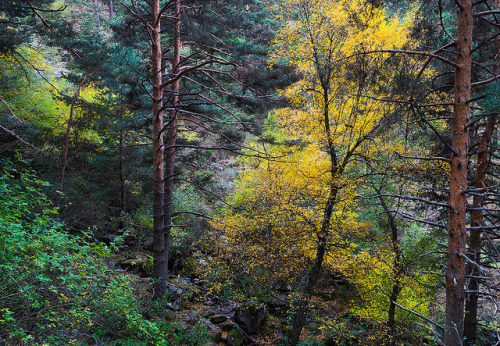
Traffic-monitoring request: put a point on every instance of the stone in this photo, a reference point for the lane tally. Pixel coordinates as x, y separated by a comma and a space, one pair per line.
217, 318
176, 305
173, 292
251, 317
235, 336
192, 315
217, 333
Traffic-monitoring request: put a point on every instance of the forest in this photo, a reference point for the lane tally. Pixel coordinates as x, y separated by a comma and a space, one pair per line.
249, 172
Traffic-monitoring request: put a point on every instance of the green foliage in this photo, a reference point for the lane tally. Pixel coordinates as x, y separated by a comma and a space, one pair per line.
57, 288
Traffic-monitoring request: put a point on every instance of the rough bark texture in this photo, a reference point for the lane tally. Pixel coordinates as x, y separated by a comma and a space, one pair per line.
457, 226
474, 253
172, 129
160, 272
483, 156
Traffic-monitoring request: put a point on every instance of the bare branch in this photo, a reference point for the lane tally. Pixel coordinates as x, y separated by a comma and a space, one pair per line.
430, 223
22, 140
423, 158
419, 315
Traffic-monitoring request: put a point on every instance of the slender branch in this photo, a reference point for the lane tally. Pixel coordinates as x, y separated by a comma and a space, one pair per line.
22, 140
191, 213
187, 69
422, 158
410, 52
486, 81
419, 315
411, 199
164, 8
430, 223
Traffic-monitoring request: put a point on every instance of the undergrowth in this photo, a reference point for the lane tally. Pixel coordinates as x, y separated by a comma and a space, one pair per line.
57, 289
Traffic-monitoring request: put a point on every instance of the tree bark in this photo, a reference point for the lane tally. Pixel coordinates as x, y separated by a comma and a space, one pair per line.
474, 253
457, 226
160, 265
98, 16
307, 289
471, 302
172, 129
397, 270
299, 319
123, 186
110, 7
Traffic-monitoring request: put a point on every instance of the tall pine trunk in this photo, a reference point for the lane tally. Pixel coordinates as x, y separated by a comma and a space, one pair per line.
172, 129
457, 223
471, 303
123, 185
160, 265
474, 253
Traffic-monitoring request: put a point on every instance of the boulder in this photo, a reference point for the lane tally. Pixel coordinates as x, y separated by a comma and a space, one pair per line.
217, 318
251, 317
235, 335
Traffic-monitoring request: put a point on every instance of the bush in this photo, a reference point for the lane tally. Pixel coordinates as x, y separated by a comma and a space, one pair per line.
55, 288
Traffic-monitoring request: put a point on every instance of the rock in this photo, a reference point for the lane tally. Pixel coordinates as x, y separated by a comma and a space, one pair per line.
217, 333
139, 263
227, 326
109, 238
176, 305
174, 292
235, 335
217, 319
251, 317
192, 315
213, 311
234, 338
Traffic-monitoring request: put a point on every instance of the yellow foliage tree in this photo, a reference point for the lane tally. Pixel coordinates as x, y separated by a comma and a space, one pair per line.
297, 212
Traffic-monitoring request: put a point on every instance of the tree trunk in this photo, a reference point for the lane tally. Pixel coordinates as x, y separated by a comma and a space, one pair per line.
471, 303
160, 272
98, 16
172, 129
457, 225
110, 8
307, 289
397, 270
474, 253
299, 319
66, 143
123, 187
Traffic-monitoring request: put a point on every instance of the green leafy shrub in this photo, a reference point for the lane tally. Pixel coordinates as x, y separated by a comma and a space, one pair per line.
55, 288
